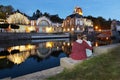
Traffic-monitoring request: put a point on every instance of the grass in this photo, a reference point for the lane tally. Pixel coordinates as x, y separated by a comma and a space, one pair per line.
102, 67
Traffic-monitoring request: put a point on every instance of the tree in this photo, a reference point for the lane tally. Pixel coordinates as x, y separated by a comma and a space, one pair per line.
100, 21
56, 18
46, 14
38, 13
5, 10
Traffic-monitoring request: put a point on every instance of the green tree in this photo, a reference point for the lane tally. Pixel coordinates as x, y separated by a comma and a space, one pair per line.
100, 22
56, 18
5, 10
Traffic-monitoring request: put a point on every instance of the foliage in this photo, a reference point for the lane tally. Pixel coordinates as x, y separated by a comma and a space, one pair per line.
100, 22
102, 67
53, 18
5, 10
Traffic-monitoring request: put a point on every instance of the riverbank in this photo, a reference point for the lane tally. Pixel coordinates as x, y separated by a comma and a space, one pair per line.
101, 67
27, 36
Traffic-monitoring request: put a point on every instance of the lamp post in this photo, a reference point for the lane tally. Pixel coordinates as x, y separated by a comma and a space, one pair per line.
96, 28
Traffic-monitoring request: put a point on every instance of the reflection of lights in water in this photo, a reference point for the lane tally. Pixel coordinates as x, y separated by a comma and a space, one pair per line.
43, 52
18, 58
49, 44
57, 48
107, 38
68, 44
22, 47
29, 46
1, 57
63, 47
96, 44
13, 48
63, 43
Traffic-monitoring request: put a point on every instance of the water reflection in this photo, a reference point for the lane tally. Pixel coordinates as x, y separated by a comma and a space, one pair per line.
18, 54
34, 53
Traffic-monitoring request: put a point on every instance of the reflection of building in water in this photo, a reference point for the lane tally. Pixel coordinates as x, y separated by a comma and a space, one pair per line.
25, 52
44, 52
66, 47
77, 23
22, 47
19, 54
19, 57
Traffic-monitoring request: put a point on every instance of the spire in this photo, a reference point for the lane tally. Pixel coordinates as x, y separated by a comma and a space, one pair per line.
78, 10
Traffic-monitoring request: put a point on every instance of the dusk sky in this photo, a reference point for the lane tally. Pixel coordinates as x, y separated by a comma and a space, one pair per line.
105, 8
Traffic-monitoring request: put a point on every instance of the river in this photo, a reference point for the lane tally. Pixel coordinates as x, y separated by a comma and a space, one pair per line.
20, 57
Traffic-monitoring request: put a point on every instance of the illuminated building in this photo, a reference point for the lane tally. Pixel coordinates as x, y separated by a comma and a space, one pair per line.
44, 24
27, 24
76, 22
22, 20
18, 18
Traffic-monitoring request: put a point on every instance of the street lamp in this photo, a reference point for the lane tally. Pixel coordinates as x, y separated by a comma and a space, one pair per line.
96, 28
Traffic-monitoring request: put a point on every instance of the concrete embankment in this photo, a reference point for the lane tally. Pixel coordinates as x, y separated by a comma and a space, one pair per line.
70, 63
20, 36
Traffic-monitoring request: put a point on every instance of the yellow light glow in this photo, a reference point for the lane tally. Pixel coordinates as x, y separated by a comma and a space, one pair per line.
64, 43
72, 29
68, 44
49, 44
99, 30
22, 48
78, 28
29, 29
96, 44
107, 38
63, 47
29, 46
49, 29
68, 29
64, 29
18, 58
57, 48
1, 57
96, 27
12, 48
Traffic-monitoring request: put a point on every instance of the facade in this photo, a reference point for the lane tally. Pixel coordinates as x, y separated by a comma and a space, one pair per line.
76, 22
44, 24
115, 25
2, 21
115, 28
41, 25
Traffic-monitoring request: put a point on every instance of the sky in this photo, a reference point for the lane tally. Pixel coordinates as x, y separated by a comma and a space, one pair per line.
104, 8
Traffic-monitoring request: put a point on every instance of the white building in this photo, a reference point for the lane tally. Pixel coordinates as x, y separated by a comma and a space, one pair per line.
42, 24
76, 22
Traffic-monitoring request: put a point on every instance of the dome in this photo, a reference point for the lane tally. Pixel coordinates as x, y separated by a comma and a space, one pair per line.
78, 10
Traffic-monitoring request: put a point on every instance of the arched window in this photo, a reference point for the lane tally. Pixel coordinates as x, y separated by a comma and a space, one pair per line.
43, 23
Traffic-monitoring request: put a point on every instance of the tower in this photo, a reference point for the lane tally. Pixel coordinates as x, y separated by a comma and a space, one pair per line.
78, 10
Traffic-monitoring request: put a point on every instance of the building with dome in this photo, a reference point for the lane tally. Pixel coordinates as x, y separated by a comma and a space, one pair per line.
75, 22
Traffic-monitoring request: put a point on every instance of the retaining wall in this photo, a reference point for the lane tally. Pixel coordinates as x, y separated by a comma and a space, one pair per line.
70, 63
